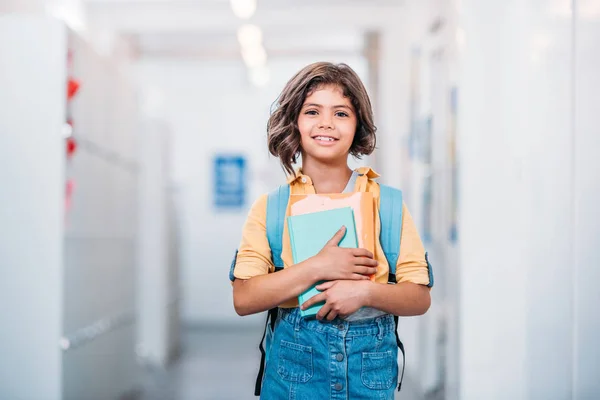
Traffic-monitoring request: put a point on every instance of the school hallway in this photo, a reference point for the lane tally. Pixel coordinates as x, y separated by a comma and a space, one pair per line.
136, 152
220, 363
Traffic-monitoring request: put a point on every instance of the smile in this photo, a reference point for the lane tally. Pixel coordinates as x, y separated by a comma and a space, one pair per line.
324, 139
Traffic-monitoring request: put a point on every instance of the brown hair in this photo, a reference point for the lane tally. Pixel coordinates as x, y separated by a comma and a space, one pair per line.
283, 135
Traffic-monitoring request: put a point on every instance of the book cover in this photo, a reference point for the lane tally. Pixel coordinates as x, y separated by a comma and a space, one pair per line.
362, 204
308, 235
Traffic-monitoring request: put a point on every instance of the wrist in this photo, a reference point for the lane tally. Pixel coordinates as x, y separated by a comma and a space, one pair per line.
369, 293
313, 272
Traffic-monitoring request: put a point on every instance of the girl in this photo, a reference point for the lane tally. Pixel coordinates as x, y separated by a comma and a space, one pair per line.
349, 351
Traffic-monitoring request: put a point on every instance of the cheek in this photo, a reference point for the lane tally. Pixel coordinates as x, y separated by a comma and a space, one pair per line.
304, 126
348, 130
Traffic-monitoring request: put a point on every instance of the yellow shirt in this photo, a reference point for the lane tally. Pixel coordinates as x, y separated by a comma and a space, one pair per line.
254, 253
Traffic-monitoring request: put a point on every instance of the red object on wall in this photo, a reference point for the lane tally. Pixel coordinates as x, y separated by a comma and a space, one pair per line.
72, 88
71, 147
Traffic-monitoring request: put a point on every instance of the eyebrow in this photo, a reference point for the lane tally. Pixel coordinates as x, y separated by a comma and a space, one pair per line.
320, 106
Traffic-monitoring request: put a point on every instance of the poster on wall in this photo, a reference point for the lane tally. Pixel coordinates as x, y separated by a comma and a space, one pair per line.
229, 172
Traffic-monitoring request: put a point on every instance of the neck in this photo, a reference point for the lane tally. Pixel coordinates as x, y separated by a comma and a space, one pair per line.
327, 177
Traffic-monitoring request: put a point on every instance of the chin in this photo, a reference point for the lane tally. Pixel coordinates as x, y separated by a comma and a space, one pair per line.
328, 157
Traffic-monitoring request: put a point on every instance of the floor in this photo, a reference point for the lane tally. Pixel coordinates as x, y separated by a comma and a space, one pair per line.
217, 364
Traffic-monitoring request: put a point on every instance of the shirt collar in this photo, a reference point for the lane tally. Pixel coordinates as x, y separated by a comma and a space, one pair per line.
370, 172
298, 175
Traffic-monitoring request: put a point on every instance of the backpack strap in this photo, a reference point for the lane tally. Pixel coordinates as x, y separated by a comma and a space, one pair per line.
390, 217
277, 202
269, 324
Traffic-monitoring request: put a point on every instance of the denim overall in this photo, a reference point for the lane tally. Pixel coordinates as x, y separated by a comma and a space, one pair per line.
311, 359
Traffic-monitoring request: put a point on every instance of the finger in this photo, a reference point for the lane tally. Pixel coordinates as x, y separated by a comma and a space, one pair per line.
324, 286
335, 240
362, 253
365, 270
368, 262
313, 300
332, 315
358, 277
323, 311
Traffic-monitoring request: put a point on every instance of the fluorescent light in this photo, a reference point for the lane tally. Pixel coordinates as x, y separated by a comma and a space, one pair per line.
249, 35
243, 9
255, 56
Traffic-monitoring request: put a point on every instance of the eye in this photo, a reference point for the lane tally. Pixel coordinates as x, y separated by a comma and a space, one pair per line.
341, 114
310, 112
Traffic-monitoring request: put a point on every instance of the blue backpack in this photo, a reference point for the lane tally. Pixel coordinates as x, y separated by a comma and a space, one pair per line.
390, 215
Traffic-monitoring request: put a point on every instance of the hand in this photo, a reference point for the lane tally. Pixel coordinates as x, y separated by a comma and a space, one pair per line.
342, 298
336, 263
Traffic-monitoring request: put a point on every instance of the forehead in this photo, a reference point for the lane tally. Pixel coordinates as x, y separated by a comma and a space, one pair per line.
327, 93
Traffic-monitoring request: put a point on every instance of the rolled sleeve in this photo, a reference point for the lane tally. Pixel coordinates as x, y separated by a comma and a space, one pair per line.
412, 265
254, 254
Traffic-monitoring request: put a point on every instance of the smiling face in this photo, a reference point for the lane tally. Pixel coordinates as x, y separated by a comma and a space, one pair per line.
327, 124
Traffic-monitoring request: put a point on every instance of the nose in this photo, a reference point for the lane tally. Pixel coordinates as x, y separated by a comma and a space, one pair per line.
326, 122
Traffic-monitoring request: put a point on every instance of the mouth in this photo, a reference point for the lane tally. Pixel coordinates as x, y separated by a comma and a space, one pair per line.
325, 138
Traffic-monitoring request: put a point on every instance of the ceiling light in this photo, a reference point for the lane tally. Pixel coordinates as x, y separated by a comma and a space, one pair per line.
243, 9
254, 56
249, 35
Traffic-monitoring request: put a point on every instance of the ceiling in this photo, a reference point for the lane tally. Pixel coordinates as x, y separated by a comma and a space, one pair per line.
207, 28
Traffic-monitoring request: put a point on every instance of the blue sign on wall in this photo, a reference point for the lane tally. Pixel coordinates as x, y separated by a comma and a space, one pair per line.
230, 181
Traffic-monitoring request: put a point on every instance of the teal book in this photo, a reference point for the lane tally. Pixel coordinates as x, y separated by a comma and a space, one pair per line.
308, 235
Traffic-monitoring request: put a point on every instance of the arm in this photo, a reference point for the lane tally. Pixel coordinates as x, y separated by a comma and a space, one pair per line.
343, 298
404, 299
265, 291
409, 297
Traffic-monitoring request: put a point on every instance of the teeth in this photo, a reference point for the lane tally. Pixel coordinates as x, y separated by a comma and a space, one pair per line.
328, 139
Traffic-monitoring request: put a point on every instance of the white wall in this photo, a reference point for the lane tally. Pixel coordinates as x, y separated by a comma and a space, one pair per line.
528, 240
515, 295
586, 197
23, 6
31, 223
71, 12
68, 293
156, 290
211, 107
101, 228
